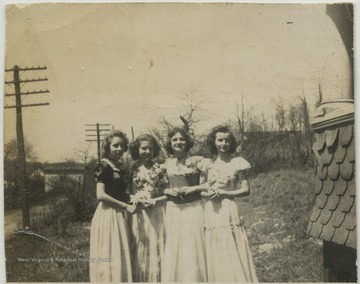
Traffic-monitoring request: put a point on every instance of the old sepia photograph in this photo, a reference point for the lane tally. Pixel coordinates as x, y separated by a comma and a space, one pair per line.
179, 142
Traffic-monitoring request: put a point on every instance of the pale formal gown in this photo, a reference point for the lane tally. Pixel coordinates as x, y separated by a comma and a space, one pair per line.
184, 257
228, 254
148, 228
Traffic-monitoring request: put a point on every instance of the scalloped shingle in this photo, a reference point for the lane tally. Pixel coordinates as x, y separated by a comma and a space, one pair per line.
334, 171
331, 136
328, 186
347, 170
339, 155
345, 135
334, 214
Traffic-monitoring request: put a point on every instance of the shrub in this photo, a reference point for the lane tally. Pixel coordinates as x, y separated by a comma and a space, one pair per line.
53, 219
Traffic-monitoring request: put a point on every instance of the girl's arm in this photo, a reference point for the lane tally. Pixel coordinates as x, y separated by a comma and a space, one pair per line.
133, 198
202, 187
203, 178
155, 200
101, 195
196, 188
172, 191
242, 191
160, 198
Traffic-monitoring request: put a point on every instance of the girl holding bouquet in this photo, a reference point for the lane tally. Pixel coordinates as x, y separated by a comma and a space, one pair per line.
109, 237
227, 249
184, 256
148, 182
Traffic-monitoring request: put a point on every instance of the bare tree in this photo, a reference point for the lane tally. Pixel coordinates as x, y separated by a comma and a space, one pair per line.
188, 118
240, 119
280, 115
293, 118
165, 123
264, 123
305, 115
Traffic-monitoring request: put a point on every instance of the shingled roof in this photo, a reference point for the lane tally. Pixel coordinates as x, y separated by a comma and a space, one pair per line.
334, 213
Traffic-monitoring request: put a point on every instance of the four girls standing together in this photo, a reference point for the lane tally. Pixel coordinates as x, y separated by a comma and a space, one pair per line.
179, 221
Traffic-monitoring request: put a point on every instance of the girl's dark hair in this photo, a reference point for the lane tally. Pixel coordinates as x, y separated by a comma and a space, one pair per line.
210, 140
189, 141
105, 145
134, 146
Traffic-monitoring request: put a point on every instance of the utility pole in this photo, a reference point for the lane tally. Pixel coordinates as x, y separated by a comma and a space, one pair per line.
132, 133
98, 135
22, 177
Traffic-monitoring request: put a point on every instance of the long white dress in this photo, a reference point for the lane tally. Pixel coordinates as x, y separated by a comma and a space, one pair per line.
109, 237
184, 256
228, 253
148, 228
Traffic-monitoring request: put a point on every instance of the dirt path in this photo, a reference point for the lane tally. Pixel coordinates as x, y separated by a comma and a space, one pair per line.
13, 219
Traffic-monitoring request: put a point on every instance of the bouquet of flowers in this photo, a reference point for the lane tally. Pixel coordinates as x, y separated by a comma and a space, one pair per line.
150, 186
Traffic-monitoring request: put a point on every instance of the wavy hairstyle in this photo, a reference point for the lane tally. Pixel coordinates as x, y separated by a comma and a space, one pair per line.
105, 145
188, 140
210, 139
134, 146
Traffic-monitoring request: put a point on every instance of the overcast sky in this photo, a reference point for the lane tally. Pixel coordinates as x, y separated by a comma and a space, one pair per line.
131, 64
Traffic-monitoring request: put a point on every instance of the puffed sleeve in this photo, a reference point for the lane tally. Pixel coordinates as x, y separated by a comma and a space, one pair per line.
203, 165
162, 167
196, 159
101, 172
240, 164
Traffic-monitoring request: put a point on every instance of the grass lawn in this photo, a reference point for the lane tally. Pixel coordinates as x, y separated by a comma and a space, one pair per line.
31, 259
275, 217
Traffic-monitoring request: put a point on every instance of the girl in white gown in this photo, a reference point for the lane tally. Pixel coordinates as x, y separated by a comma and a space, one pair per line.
184, 257
228, 253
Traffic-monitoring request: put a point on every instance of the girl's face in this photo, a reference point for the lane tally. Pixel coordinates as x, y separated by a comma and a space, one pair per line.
222, 142
116, 148
178, 143
146, 150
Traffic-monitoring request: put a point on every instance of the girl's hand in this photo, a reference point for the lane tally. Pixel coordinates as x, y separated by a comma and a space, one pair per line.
204, 194
172, 191
149, 203
214, 193
188, 190
130, 208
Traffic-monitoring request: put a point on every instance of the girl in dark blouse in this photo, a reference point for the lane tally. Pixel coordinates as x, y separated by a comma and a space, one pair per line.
109, 239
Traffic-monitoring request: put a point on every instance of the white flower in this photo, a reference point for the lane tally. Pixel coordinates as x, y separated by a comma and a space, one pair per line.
143, 195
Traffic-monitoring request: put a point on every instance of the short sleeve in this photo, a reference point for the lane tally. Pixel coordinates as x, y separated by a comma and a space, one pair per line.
203, 165
240, 164
101, 172
162, 167
196, 159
